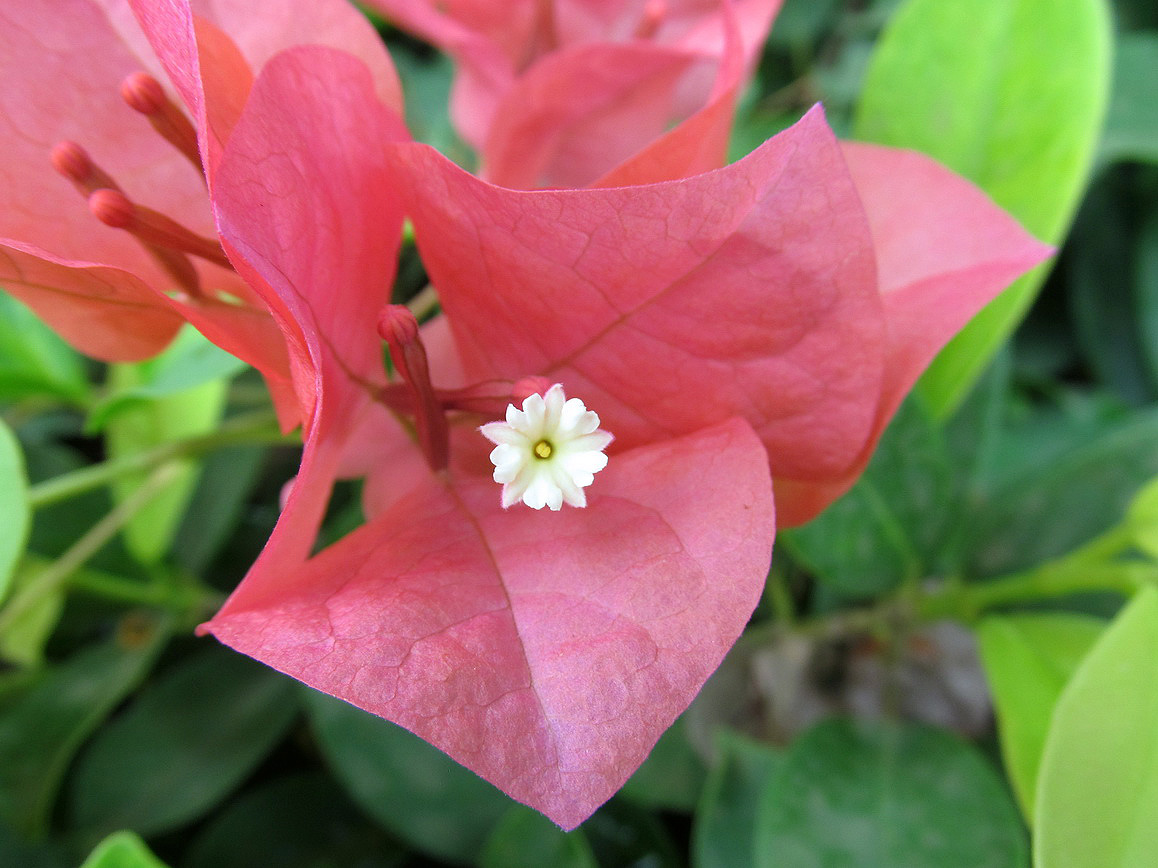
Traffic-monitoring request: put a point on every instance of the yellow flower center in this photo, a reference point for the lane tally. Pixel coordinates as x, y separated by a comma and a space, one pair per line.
543, 449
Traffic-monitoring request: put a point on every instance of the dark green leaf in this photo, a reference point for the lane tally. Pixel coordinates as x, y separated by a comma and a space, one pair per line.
1132, 121
1145, 282
672, 775
526, 839
1010, 94
622, 834
875, 794
414, 790
1066, 498
1097, 793
1028, 659
43, 725
302, 821
892, 525
122, 850
184, 743
1100, 265
227, 480
725, 825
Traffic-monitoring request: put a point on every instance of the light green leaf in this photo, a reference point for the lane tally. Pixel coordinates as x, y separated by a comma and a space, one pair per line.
1028, 659
1011, 94
1142, 517
725, 823
185, 742
874, 794
22, 641
190, 361
138, 425
1097, 795
13, 506
34, 361
122, 850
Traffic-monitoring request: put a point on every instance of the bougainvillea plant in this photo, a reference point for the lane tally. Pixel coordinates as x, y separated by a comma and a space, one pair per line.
627, 365
549, 651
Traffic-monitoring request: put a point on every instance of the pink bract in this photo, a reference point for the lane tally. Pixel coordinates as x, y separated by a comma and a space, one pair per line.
94, 284
561, 94
759, 321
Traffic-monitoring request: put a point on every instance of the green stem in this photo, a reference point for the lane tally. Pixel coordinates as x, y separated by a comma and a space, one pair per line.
1058, 579
179, 597
1098, 566
53, 577
251, 428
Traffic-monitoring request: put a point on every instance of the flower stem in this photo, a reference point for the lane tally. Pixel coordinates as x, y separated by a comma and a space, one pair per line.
251, 428
53, 577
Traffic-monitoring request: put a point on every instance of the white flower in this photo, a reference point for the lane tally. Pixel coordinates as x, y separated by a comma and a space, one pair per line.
548, 452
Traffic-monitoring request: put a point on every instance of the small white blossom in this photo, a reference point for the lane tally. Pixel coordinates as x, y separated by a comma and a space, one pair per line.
548, 452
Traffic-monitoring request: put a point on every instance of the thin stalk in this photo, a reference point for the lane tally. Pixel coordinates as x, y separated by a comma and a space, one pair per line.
254, 428
54, 576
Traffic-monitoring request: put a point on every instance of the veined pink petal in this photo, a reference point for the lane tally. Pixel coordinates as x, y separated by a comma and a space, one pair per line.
306, 205
750, 290
102, 311
944, 251
545, 651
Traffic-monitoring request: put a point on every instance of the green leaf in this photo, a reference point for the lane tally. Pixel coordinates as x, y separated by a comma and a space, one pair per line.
190, 361
1067, 498
526, 839
43, 725
186, 741
725, 823
1142, 517
122, 850
141, 424
299, 821
671, 777
622, 834
34, 361
1145, 283
892, 524
412, 789
874, 794
1097, 795
1010, 94
1102, 255
22, 641
1132, 123
1029, 659
228, 478
13, 506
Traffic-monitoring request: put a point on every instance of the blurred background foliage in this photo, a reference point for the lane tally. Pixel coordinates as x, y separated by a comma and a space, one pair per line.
851, 725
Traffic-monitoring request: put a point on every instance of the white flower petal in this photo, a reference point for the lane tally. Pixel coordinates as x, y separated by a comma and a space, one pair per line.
558, 474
